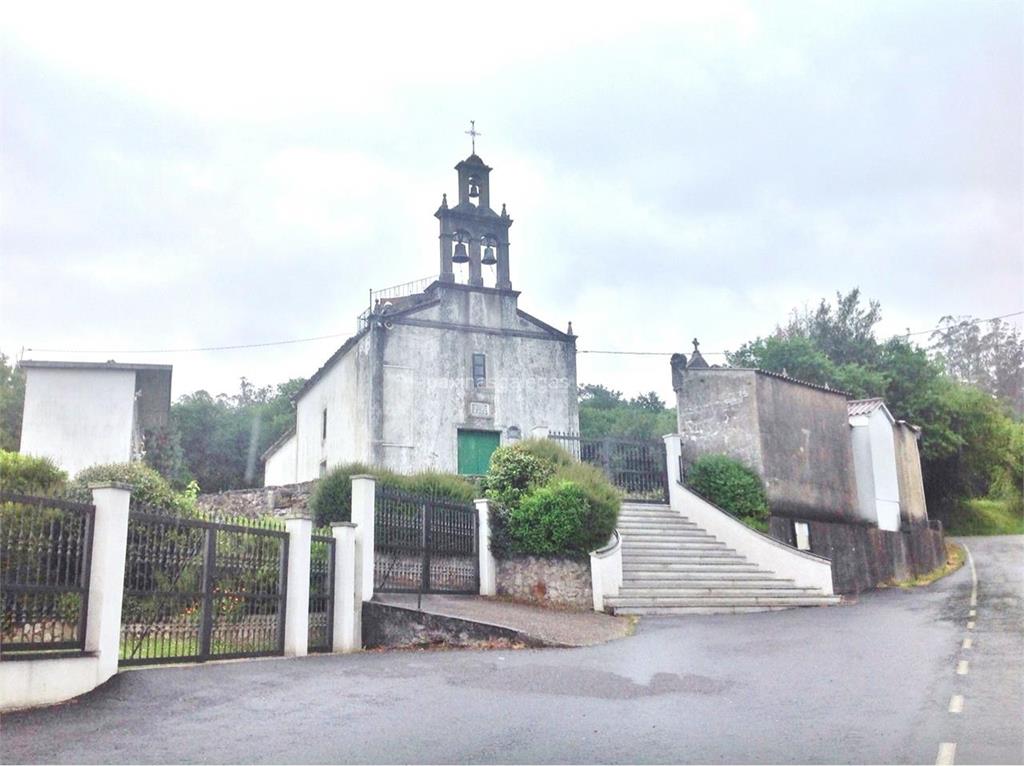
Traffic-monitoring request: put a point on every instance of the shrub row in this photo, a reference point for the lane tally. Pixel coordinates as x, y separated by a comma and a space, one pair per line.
732, 486
332, 499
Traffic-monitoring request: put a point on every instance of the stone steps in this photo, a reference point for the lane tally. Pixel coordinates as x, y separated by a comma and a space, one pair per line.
762, 590
672, 566
715, 600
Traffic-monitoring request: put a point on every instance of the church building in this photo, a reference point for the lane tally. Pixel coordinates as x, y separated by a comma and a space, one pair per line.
437, 375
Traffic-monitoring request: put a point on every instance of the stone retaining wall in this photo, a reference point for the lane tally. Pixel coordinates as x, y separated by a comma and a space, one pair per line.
864, 557
259, 501
549, 581
387, 625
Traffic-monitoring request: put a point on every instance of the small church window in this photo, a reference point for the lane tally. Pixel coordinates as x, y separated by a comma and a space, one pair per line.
323, 425
479, 370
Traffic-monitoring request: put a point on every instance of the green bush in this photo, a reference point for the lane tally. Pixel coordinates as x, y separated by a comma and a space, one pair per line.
435, 484
732, 486
547, 450
550, 520
513, 473
547, 503
332, 498
149, 488
27, 475
603, 502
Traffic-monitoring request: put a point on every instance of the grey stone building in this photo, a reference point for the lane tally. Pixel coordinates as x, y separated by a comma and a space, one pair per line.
437, 375
802, 440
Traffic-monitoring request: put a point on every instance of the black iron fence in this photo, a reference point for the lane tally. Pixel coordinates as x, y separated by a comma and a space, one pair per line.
321, 592
424, 544
198, 589
45, 555
636, 467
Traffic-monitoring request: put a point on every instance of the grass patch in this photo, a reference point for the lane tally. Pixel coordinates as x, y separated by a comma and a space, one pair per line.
954, 560
987, 517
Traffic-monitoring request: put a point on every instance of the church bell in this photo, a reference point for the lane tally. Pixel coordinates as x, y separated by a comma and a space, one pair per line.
489, 258
474, 190
460, 254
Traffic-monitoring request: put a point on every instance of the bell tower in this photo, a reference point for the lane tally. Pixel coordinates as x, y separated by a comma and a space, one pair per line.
472, 234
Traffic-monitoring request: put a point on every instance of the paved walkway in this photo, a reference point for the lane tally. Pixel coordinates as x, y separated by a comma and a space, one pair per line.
552, 626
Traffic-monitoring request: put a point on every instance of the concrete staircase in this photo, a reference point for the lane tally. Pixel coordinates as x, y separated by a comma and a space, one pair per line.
672, 566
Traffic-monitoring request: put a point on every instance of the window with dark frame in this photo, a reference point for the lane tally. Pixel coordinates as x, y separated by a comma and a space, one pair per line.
479, 370
323, 425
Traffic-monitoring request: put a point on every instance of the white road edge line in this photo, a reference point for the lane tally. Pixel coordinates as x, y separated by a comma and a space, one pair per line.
961, 668
967, 643
947, 752
974, 576
956, 703
970, 625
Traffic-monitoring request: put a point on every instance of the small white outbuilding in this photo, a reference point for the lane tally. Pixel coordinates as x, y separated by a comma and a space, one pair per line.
86, 413
874, 460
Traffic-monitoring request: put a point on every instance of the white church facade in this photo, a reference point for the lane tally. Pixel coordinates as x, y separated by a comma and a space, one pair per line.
438, 378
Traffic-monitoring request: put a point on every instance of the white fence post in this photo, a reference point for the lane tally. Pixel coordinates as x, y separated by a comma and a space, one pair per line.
348, 603
488, 566
106, 574
296, 623
673, 451
364, 497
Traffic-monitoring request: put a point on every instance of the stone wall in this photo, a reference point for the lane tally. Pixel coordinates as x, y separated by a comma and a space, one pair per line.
806, 450
863, 556
549, 581
387, 625
794, 435
260, 501
913, 509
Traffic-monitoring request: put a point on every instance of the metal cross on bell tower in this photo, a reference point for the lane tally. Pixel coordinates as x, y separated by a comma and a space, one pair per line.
473, 133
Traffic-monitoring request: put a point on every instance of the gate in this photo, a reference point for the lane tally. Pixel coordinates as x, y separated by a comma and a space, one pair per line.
321, 593
636, 467
45, 555
424, 545
196, 590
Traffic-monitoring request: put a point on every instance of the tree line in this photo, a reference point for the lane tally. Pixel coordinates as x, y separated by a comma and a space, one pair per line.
963, 388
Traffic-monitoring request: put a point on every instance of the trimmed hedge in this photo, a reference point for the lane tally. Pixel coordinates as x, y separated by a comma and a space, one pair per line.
27, 474
730, 485
332, 499
149, 488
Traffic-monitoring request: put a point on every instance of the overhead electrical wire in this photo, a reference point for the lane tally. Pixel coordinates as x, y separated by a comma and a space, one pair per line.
342, 335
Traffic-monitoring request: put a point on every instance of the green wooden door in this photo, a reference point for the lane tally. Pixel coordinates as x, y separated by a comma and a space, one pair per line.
475, 448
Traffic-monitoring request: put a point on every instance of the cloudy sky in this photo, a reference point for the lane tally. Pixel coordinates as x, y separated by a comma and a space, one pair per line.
219, 174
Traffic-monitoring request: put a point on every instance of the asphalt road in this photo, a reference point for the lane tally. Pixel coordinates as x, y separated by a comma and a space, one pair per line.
869, 682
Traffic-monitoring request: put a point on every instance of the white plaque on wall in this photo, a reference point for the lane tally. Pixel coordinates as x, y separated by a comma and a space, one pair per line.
479, 409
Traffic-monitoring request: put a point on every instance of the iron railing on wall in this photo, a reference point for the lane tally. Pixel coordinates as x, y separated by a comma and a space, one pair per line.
45, 557
321, 592
424, 544
637, 467
198, 589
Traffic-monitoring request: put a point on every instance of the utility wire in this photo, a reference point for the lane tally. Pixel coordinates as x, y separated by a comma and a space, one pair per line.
341, 335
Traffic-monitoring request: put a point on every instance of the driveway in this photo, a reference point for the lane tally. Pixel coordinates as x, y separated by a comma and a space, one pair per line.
866, 682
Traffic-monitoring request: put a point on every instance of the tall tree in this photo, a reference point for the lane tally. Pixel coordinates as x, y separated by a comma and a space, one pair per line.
966, 439
12, 404
223, 437
988, 355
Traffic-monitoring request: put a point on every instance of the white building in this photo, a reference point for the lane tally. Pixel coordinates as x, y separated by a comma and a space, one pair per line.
875, 461
440, 372
81, 414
